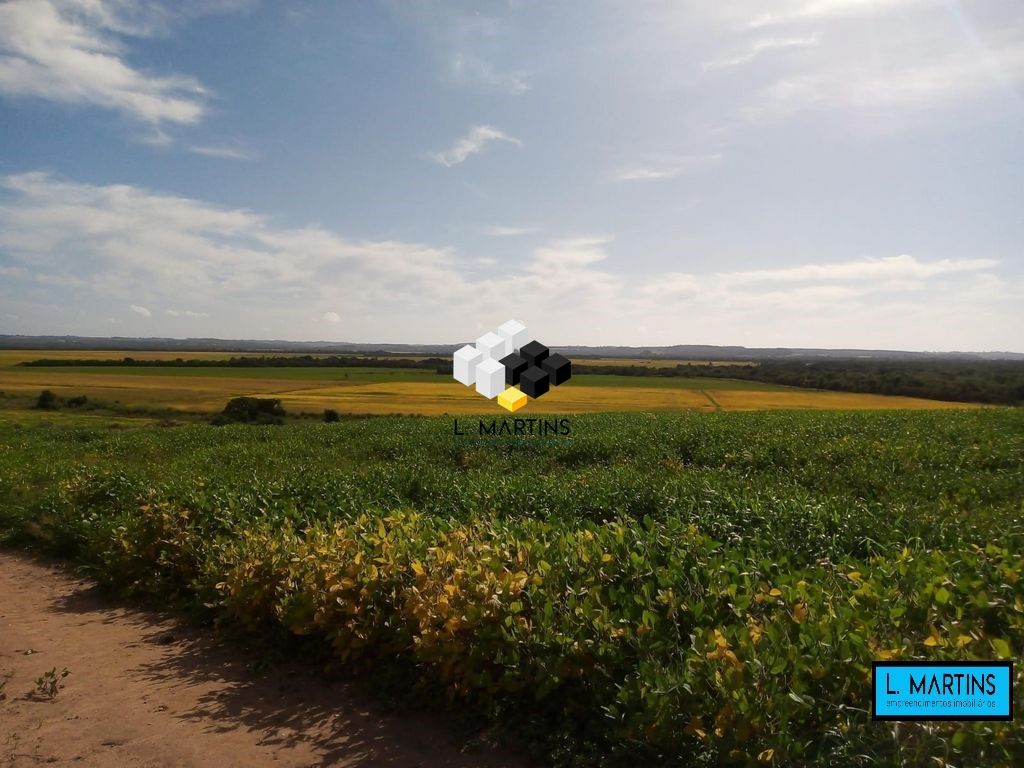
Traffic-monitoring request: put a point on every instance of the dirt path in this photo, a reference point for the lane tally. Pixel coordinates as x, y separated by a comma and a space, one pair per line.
146, 691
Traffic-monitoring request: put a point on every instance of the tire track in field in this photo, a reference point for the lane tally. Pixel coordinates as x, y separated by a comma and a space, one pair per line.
712, 400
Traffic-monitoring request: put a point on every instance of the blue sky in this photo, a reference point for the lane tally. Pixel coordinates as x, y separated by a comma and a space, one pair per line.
832, 173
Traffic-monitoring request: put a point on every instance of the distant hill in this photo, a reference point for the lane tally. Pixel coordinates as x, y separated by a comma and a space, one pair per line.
674, 352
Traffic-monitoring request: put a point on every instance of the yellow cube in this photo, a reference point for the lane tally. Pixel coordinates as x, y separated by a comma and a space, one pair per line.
512, 399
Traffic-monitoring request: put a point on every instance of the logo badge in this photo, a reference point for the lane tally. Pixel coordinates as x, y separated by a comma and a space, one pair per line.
942, 690
506, 365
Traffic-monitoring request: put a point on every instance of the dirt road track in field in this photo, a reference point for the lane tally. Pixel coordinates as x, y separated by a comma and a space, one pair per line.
146, 691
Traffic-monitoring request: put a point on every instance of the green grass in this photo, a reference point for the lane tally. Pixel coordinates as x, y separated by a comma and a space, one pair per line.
679, 589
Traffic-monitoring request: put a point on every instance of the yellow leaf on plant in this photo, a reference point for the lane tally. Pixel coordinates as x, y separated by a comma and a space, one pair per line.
756, 631
799, 612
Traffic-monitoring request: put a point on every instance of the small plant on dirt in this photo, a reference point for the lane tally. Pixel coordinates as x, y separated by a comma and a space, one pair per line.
48, 684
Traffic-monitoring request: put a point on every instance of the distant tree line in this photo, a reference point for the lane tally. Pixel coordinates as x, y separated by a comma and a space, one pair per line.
978, 381
282, 361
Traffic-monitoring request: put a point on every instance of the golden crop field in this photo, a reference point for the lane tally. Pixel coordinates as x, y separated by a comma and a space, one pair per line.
377, 391
451, 397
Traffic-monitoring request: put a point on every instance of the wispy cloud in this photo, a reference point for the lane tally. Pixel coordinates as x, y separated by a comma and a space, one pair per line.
473, 143
473, 43
186, 313
887, 268
72, 52
225, 152
657, 167
759, 47
140, 310
893, 84
472, 71
787, 11
331, 317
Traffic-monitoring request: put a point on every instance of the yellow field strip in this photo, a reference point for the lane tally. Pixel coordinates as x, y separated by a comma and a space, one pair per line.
434, 399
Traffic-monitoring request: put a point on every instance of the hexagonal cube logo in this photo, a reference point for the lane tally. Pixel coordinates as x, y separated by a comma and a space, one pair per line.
506, 365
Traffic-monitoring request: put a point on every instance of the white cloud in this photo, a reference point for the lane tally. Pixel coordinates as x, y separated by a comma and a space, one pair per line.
186, 313
115, 243
500, 231
70, 51
473, 143
223, 152
569, 253
658, 167
12, 272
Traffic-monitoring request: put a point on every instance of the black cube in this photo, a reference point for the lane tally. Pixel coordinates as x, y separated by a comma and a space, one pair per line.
534, 352
558, 368
534, 381
514, 367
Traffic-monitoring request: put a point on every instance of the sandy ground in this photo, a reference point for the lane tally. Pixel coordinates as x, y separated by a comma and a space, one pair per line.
144, 690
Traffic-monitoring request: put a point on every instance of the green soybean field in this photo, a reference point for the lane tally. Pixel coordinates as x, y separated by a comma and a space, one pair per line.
671, 589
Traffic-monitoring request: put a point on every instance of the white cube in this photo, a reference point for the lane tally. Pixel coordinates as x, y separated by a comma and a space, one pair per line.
491, 345
515, 333
490, 378
464, 363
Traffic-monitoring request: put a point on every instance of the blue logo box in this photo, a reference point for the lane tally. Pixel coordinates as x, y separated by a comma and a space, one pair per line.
942, 690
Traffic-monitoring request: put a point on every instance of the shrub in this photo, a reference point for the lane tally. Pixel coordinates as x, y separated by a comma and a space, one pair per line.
331, 416
77, 402
251, 410
47, 401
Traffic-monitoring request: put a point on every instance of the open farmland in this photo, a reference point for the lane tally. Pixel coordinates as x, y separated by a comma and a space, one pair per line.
666, 589
382, 391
